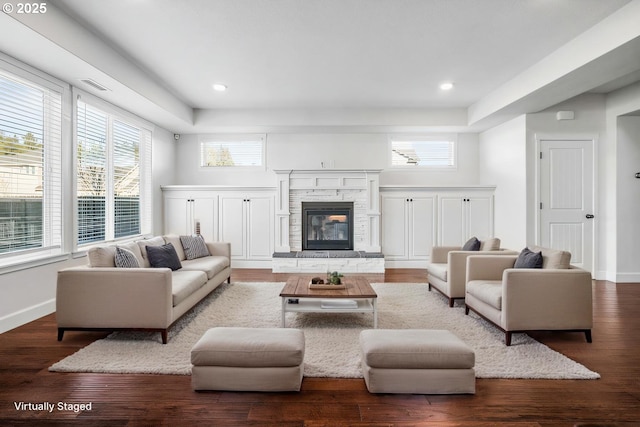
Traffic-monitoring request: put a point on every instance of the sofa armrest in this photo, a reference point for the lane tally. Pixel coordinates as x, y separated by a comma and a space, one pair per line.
220, 249
547, 299
488, 267
439, 253
114, 297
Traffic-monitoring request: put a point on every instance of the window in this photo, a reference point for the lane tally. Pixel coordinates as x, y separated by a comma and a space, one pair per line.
30, 165
113, 175
430, 151
232, 151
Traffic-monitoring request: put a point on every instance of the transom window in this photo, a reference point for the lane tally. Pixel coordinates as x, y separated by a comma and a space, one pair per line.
428, 151
232, 151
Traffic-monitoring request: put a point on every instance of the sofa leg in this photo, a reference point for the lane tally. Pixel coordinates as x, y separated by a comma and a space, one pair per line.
429, 287
507, 338
229, 279
587, 334
60, 334
165, 336
466, 310
451, 302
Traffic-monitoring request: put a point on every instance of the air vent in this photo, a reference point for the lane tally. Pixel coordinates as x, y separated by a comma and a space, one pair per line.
94, 84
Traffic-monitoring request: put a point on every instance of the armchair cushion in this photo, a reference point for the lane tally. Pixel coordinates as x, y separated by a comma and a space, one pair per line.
473, 244
439, 270
487, 291
553, 258
528, 259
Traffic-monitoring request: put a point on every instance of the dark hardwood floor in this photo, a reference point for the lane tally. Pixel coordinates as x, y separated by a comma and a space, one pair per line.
148, 400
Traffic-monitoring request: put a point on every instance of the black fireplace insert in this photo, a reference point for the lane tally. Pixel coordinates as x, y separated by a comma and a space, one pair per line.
327, 225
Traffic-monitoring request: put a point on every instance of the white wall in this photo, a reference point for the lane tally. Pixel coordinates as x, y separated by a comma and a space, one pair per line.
301, 151
502, 161
616, 203
628, 200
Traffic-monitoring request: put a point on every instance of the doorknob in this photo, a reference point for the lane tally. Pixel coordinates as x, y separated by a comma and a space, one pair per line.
589, 216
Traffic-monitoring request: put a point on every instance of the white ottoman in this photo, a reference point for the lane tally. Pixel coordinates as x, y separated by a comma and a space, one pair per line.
420, 361
248, 359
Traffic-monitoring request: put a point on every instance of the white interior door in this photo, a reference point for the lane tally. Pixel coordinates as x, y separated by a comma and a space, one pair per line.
566, 199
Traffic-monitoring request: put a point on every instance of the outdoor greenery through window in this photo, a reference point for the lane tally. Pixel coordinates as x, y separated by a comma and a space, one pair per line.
30, 165
110, 175
428, 151
233, 152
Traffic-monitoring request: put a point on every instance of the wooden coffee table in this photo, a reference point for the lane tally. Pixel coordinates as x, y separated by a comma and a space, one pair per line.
358, 290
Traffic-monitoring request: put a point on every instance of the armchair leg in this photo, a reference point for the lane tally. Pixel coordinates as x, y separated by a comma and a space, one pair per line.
587, 334
164, 336
466, 310
429, 287
507, 338
450, 302
60, 333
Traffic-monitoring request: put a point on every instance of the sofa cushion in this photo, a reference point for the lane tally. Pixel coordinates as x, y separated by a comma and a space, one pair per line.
194, 247
164, 256
175, 241
142, 244
528, 259
487, 291
553, 258
211, 265
492, 244
125, 258
473, 244
184, 283
438, 270
104, 256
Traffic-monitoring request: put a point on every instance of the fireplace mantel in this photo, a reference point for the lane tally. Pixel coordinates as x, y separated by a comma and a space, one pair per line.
329, 184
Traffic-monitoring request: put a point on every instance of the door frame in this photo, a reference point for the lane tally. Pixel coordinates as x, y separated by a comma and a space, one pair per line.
593, 137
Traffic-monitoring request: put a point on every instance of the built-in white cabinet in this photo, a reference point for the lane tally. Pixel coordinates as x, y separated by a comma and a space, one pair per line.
186, 213
408, 226
464, 215
242, 216
414, 219
247, 222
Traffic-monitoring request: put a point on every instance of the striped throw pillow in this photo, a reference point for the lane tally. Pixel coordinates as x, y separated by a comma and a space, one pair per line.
194, 246
124, 258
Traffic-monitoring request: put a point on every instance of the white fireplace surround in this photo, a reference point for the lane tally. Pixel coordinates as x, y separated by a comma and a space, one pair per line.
361, 187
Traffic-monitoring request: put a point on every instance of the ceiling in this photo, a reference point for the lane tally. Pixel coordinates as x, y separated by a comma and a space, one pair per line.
323, 54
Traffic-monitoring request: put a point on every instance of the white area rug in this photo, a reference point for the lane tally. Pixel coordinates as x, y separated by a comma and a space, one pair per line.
332, 348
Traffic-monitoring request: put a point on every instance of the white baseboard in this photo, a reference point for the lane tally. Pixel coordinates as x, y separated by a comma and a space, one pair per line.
27, 315
627, 278
405, 264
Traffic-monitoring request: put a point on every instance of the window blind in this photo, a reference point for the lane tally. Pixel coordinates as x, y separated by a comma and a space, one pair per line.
30, 165
232, 153
114, 176
423, 153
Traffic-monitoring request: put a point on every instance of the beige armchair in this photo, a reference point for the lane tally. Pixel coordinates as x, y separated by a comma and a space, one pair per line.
528, 299
446, 271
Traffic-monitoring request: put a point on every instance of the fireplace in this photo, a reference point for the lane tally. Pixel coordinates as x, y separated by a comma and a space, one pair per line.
327, 225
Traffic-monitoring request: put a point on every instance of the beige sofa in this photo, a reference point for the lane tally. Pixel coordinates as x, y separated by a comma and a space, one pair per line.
101, 296
446, 271
556, 297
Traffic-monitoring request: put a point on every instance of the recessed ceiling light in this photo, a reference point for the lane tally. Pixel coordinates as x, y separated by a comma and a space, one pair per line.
219, 87
446, 86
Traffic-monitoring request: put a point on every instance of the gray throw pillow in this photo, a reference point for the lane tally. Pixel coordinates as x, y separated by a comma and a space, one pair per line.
194, 246
529, 259
163, 256
124, 258
473, 244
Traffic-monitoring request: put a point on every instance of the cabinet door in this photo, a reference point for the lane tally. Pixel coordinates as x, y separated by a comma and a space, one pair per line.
480, 216
177, 215
421, 220
232, 224
260, 227
452, 220
394, 227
